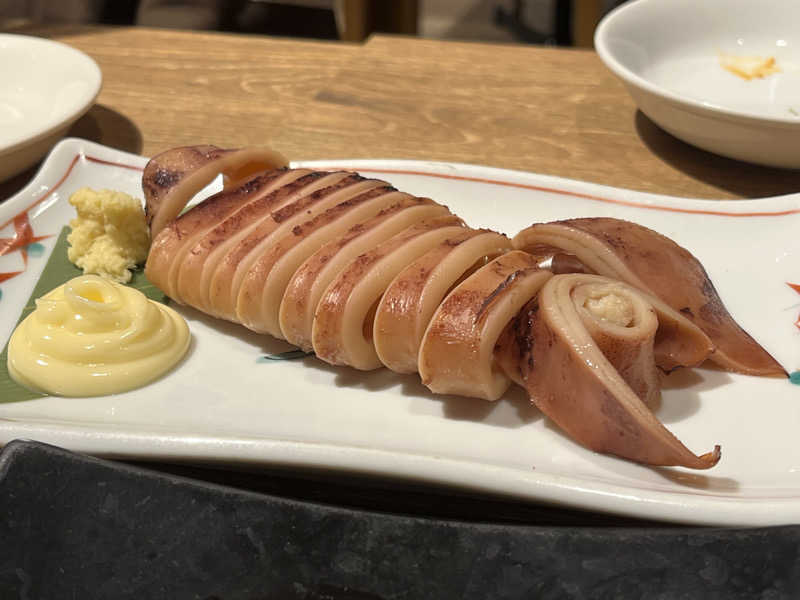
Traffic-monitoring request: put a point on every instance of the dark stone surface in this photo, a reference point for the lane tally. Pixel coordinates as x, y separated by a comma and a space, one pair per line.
77, 527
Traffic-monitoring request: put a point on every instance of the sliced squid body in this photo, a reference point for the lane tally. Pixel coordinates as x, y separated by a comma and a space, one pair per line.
651, 262
414, 295
210, 274
187, 254
172, 178
265, 281
457, 355
587, 361
342, 332
173, 242
227, 285
305, 288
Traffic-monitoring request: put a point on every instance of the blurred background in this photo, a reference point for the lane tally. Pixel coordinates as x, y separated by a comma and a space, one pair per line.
554, 22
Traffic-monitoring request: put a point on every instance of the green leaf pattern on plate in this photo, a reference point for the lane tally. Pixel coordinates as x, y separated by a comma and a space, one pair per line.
288, 355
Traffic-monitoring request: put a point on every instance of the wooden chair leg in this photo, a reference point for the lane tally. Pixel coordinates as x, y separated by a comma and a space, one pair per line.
586, 15
357, 19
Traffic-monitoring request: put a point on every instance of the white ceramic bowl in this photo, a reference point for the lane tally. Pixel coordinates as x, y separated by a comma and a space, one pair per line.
669, 55
45, 86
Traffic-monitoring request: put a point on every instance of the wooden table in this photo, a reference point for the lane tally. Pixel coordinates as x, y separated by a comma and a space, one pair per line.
552, 111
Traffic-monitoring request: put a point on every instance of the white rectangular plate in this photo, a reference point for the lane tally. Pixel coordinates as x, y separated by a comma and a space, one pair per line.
225, 405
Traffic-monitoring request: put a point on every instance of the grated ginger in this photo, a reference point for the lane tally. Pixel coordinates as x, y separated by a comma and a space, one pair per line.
109, 236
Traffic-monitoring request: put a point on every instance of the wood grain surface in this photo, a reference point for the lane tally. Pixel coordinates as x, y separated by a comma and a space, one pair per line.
545, 110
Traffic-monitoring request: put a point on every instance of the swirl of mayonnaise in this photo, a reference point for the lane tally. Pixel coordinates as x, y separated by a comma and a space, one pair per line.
92, 336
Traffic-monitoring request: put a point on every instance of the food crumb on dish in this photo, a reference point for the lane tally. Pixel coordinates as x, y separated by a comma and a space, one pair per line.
749, 67
109, 236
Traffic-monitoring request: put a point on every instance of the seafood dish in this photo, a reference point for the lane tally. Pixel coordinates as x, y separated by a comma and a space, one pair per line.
587, 315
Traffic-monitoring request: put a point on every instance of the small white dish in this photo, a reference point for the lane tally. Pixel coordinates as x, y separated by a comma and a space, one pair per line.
670, 55
45, 86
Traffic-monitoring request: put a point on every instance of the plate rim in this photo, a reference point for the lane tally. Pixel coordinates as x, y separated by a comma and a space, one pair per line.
483, 478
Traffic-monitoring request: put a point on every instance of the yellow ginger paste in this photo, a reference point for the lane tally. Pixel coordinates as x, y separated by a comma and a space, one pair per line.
109, 236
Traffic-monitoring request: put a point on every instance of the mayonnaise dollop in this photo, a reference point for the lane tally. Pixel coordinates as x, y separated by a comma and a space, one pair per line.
92, 336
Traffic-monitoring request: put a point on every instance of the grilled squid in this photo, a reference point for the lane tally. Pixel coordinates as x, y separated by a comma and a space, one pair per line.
306, 287
457, 354
367, 276
342, 332
175, 176
408, 304
585, 350
651, 262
